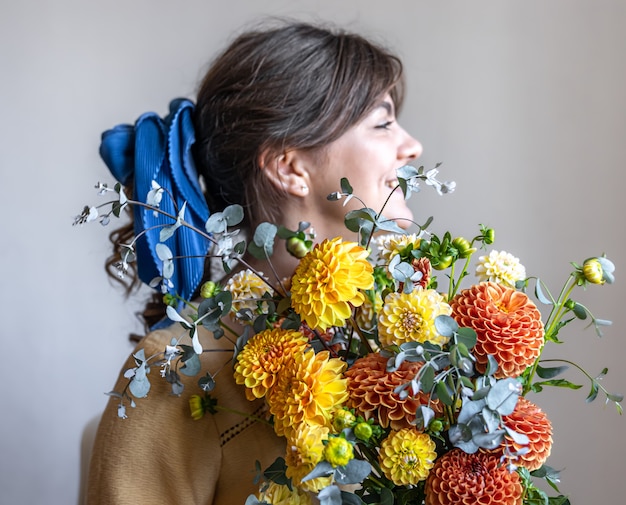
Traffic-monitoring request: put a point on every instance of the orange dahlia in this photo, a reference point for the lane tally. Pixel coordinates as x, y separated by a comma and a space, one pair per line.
406, 456
531, 421
309, 388
507, 324
328, 282
461, 478
371, 388
263, 357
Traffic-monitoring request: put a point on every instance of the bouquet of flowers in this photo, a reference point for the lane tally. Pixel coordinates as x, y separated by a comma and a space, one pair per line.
392, 377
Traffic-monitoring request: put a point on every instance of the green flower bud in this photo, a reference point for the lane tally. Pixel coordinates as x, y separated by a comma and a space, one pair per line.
298, 247
209, 289
170, 300
570, 304
463, 247
443, 262
489, 236
363, 431
436, 425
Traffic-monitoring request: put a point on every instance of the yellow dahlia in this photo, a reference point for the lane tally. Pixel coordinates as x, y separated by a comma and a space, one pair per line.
461, 478
531, 421
328, 281
247, 289
305, 449
309, 388
500, 267
392, 244
507, 323
278, 494
406, 456
371, 388
410, 317
263, 357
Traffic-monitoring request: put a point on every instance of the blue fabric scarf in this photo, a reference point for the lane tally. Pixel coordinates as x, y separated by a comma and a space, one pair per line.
159, 149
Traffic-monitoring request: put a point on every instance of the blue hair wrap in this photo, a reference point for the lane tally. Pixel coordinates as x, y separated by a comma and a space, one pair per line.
159, 149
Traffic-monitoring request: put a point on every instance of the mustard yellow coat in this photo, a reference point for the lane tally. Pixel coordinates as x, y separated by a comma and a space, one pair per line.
160, 455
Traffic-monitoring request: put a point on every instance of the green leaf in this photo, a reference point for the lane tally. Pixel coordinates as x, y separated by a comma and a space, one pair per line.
579, 311
444, 394
345, 186
386, 496
467, 337
276, 472
548, 373
561, 383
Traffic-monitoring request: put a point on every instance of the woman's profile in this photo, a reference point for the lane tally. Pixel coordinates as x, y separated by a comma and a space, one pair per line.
282, 114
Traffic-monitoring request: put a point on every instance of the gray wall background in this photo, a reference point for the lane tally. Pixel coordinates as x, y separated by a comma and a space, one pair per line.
524, 102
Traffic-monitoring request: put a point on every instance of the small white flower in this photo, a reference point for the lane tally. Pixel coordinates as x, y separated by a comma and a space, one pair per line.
500, 267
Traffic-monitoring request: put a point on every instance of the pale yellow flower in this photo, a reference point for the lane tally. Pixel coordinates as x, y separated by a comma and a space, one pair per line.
410, 317
365, 316
406, 456
500, 267
278, 494
247, 289
263, 356
305, 449
392, 244
310, 387
328, 283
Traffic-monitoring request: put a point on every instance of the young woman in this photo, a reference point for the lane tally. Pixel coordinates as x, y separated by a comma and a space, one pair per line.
281, 116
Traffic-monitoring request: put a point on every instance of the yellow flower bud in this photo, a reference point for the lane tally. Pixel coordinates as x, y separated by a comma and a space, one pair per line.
196, 405
592, 270
338, 451
343, 419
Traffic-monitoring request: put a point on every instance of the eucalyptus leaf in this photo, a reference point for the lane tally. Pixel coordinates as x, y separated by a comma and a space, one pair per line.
322, 469
233, 214
503, 396
353, 473
446, 326
191, 366
518, 438
467, 337
580, 311
350, 499
330, 495
345, 186
489, 440
540, 295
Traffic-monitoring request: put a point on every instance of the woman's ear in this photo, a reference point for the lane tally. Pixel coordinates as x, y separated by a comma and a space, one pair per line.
287, 171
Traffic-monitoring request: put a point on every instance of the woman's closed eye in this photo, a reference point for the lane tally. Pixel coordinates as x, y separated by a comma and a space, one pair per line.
385, 125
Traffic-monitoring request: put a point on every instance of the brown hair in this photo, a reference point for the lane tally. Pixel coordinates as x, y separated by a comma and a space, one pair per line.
295, 86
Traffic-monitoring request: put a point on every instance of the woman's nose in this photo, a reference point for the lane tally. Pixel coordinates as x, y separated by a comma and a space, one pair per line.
410, 148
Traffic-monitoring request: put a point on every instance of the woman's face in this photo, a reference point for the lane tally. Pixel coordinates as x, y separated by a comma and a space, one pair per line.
368, 155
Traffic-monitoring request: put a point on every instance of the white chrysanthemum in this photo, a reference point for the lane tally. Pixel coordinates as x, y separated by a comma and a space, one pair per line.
247, 289
391, 244
500, 267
